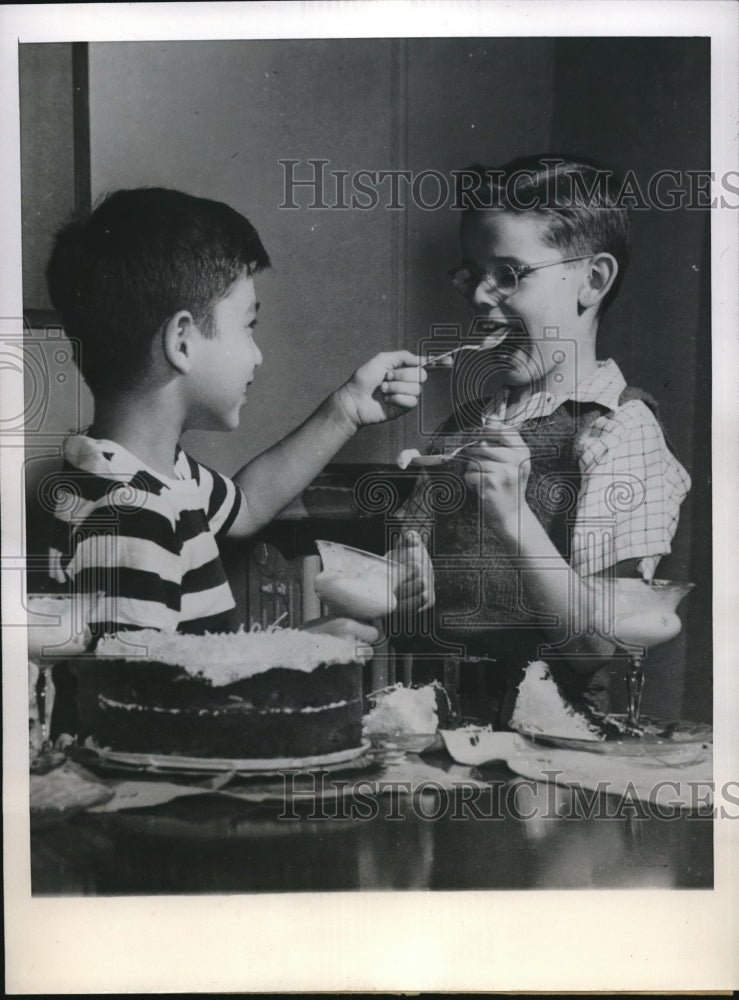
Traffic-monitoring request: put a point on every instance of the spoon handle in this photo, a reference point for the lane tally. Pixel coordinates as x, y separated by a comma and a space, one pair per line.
433, 361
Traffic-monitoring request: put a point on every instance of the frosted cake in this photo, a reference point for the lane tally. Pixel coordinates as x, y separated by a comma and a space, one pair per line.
265, 695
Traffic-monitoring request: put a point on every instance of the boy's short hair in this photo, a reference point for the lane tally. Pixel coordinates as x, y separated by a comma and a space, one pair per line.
577, 201
118, 273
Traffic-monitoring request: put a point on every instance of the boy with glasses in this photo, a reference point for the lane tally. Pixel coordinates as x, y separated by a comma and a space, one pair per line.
565, 479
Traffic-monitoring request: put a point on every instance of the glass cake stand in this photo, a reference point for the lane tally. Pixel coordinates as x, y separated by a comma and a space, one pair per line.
649, 619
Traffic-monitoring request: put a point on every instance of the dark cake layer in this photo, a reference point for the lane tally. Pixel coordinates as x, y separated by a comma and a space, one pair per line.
155, 708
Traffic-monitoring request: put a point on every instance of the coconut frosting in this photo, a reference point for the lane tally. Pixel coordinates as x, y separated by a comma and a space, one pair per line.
222, 658
540, 708
403, 710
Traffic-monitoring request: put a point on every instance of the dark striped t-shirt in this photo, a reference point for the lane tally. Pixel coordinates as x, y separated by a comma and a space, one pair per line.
146, 543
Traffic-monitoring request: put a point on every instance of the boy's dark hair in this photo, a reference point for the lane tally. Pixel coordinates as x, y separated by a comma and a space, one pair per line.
117, 274
577, 200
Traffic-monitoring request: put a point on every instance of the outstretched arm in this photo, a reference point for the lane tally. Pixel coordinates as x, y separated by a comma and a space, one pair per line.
382, 389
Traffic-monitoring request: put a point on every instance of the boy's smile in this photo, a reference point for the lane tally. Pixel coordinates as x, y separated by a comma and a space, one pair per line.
226, 362
548, 341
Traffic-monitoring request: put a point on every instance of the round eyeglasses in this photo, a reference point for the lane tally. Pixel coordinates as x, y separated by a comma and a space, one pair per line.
502, 279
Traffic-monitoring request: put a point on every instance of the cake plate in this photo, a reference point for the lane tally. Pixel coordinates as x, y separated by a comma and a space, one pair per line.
661, 740
150, 763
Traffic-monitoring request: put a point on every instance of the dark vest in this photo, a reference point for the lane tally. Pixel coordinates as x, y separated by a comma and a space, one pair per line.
480, 589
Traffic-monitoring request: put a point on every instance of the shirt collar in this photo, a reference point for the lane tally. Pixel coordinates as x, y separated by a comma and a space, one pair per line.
112, 461
604, 387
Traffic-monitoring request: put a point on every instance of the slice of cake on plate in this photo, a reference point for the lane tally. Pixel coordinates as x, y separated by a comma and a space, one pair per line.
409, 716
541, 708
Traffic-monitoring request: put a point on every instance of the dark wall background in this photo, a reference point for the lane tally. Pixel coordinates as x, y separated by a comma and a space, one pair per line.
214, 118
644, 105
47, 157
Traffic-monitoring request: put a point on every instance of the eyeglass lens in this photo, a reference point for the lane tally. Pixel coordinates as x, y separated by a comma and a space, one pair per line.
501, 279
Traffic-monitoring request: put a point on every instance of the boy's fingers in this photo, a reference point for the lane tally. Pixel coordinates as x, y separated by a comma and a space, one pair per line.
404, 554
476, 472
411, 588
365, 633
402, 399
344, 628
479, 450
401, 359
406, 375
500, 433
491, 454
406, 388
410, 556
360, 631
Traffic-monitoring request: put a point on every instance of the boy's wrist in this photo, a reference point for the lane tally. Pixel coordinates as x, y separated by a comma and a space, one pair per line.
344, 409
513, 528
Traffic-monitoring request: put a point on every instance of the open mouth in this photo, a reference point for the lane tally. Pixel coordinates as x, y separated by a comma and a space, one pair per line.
488, 326
492, 331
486, 333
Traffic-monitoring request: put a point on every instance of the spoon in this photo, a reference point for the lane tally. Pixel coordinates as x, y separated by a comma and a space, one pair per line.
413, 456
446, 360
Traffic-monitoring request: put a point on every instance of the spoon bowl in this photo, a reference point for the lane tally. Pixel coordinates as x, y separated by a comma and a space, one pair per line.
446, 360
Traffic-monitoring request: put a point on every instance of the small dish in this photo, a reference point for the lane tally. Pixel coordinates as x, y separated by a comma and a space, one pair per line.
479, 745
355, 583
57, 624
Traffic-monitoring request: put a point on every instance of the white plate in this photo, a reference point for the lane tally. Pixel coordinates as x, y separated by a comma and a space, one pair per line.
473, 745
661, 738
171, 764
672, 781
478, 746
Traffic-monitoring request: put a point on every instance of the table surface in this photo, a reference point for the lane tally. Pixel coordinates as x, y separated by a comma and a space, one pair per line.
435, 825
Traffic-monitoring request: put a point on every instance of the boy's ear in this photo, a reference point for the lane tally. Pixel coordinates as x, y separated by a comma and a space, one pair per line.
598, 280
177, 340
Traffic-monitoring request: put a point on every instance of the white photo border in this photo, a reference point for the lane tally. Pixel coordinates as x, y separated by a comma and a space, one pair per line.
479, 941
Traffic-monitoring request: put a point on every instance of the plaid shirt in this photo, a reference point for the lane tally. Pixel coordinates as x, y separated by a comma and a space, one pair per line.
631, 484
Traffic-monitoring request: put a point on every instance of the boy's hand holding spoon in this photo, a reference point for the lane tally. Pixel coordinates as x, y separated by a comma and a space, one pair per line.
498, 468
383, 388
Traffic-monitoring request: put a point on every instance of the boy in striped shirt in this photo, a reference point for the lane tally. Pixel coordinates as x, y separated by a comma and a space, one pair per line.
157, 289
